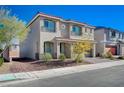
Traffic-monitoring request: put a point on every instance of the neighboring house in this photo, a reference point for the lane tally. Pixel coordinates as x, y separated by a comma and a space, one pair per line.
12, 52
109, 39
54, 35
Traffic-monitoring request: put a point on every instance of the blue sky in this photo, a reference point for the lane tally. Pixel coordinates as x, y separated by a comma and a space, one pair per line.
109, 16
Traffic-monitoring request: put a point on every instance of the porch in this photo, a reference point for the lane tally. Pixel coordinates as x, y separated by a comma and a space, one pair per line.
65, 46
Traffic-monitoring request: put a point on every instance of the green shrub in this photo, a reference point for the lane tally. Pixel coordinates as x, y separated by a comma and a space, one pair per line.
62, 57
1, 50
79, 57
1, 61
47, 57
112, 58
104, 55
121, 57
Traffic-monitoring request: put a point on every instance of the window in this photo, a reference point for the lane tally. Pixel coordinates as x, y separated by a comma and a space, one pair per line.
48, 47
62, 47
49, 25
76, 30
122, 36
113, 34
90, 30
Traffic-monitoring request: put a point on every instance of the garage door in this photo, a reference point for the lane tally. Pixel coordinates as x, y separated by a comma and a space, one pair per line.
112, 49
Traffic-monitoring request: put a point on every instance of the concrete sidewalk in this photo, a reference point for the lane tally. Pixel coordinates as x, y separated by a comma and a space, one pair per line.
56, 72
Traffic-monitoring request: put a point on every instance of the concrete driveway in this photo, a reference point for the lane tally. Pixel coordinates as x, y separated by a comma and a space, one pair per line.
98, 60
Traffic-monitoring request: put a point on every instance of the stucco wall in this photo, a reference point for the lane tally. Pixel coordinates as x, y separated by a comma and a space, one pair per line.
48, 36
65, 31
99, 36
29, 46
122, 49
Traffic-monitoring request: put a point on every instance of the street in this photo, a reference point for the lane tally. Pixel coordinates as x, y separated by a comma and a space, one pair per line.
107, 77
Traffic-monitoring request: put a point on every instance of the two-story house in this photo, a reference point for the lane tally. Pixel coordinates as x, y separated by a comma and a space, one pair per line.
55, 35
109, 39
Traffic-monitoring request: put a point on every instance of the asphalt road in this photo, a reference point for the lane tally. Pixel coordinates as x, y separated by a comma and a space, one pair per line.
107, 77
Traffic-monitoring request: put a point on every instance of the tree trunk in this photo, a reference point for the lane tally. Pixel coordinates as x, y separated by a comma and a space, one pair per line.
3, 51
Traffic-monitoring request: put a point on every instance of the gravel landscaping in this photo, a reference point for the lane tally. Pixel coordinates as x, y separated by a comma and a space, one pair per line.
30, 65
22, 65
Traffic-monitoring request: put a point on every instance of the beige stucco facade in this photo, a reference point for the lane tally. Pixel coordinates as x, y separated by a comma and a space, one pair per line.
33, 46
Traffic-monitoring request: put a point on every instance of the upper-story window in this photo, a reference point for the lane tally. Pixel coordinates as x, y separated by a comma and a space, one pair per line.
91, 31
49, 25
113, 34
122, 36
76, 30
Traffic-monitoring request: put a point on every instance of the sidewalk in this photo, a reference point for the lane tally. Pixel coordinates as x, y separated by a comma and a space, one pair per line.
56, 72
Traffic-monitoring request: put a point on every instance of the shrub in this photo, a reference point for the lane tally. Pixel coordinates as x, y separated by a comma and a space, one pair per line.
112, 58
104, 55
121, 57
79, 57
1, 61
62, 57
47, 57
109, 55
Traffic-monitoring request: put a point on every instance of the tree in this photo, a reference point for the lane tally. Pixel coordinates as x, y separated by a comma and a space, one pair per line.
11, 27
81, 48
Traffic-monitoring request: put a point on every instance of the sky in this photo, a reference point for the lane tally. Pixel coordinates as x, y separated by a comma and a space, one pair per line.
109, 16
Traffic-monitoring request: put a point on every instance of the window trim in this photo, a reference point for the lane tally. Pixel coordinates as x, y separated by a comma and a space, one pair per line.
50, 44
113, 35
73, 33
46, 28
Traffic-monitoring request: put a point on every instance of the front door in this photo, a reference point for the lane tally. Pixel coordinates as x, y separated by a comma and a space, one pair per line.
65, 49
48, 47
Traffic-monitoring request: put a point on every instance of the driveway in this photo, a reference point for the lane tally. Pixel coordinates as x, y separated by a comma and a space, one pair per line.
107, 77
98, 60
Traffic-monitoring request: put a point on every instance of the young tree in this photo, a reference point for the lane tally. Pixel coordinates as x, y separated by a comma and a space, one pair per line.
81, 48
11, 27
